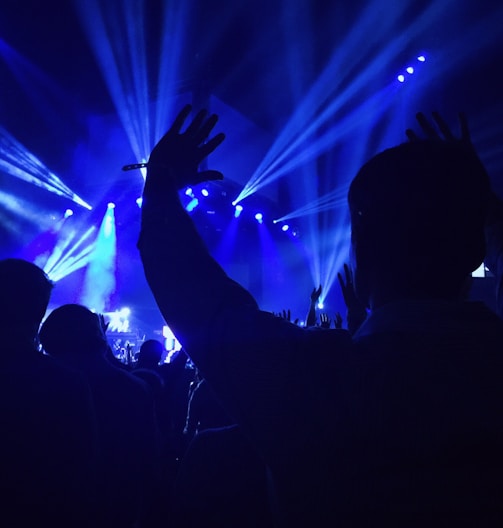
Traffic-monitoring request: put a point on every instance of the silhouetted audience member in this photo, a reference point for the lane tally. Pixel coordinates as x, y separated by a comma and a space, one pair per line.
150, 354
222, 482
402, 423
48, 439
125, 415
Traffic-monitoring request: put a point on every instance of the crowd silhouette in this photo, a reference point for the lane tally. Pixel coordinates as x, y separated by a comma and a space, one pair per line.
394, 421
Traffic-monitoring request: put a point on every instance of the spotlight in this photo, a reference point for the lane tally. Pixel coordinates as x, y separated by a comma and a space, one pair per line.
192, 204
68, 213
111, 205
321, 305
285, 228
205, 192
259, 217
401, 78
139, 202
410, 70
237, 211
234, 202
188, 191
125, 312
421, 58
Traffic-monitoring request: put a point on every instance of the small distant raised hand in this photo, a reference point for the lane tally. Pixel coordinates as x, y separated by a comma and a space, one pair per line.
315, 294
442, 131
325, 321
338, 321
181, 153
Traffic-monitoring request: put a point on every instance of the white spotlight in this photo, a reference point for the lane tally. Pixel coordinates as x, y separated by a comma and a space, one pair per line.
111, 205
68, 213
421, 58
410, 70
401, 78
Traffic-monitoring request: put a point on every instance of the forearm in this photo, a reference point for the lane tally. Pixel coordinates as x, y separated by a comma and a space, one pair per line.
185, 280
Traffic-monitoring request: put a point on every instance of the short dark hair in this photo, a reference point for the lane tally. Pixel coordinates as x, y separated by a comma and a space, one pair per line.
419, 204
25, 294
70, 329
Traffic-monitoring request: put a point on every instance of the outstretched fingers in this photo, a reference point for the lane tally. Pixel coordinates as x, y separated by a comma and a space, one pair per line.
180, 120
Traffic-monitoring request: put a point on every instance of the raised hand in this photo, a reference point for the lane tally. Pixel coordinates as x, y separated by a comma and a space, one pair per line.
181, 153
442, 131
315, 294
338, 321
325, 320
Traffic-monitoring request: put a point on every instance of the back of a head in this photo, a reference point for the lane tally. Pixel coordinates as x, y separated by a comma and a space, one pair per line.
73, 329
150, 354
416, 209
25, 293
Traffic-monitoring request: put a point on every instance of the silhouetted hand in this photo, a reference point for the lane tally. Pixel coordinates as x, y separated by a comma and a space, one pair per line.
103, 324
442, 131
315, 294
182, 152
325, 320
338, 321
284, 314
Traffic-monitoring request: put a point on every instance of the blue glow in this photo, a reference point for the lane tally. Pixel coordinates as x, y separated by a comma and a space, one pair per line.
410, 70
19, 162
99, 281
401, 78
65, 258
192, 205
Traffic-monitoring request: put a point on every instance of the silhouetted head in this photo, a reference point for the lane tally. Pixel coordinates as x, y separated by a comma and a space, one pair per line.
417, 221
25, 293
73, 329
150, 354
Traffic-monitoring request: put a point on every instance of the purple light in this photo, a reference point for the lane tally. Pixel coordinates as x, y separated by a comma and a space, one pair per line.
401, 78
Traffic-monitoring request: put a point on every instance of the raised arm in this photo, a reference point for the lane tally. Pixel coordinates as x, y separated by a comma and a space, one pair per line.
253, 361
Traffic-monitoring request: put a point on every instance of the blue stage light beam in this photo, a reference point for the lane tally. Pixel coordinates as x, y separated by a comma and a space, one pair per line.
99, 281
19, 162
313, 111
116, 33
68, 254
